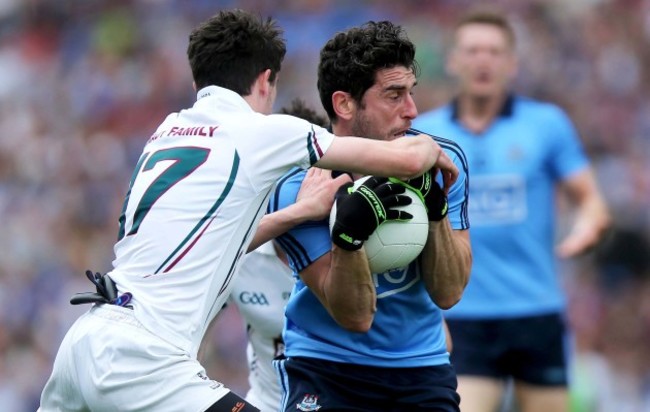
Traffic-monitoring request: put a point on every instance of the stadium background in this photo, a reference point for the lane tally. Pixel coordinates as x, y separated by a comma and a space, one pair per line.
84, 83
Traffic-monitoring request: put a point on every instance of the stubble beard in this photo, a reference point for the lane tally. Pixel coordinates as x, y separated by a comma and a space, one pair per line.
362, 127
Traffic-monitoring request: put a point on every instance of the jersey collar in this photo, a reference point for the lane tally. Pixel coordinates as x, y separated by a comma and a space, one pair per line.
215, 92
507, 108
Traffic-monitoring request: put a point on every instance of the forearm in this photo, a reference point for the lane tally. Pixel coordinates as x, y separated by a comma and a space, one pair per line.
348, 290
591, 215
446, 263
274, 224
402, 158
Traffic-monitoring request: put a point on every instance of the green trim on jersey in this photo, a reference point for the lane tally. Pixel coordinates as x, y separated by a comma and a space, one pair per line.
122, 219
213, 209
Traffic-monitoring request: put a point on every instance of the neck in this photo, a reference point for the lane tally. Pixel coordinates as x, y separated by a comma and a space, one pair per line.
343, 129
477, 113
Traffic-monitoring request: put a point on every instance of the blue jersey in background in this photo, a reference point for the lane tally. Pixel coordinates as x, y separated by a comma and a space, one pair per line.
514, 166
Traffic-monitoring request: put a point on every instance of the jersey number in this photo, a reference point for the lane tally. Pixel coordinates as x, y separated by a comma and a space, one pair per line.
185, 161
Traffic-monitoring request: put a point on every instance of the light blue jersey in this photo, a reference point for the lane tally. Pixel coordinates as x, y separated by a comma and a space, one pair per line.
514, 165
407, 329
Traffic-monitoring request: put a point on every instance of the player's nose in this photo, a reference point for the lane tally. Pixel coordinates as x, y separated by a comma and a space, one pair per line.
410, 109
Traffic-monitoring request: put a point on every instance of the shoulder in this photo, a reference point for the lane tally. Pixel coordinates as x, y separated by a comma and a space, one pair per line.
286, 189
451, 148
529, 107
293, 176
548, 119
271, 128
285, 122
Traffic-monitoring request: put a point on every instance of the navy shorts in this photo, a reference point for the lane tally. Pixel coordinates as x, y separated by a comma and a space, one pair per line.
313, 384
530, 349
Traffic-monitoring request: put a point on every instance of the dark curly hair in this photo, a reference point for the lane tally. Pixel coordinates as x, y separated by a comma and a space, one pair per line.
350, 60
232, 48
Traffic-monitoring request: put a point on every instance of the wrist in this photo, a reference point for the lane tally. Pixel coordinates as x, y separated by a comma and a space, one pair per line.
346, 242
438, 216
303, 212
342, 239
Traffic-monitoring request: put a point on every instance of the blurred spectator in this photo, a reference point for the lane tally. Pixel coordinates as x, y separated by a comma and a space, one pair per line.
82, 83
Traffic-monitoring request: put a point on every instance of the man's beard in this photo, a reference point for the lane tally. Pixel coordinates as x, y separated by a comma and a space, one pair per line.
362, 127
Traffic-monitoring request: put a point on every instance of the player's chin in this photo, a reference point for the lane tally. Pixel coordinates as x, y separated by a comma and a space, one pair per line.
396, 135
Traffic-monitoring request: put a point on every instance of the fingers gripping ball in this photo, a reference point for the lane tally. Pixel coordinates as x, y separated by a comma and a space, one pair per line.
434, 198
364, 207
397, 240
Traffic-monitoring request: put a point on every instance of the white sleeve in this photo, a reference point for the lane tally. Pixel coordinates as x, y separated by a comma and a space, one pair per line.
282, 142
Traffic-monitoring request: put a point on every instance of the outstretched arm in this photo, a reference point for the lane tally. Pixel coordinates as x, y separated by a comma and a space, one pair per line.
592, 217
403, 158
314, 202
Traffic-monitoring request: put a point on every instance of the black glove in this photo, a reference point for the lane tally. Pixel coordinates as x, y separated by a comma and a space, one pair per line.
433, 196
358, 213
106, 292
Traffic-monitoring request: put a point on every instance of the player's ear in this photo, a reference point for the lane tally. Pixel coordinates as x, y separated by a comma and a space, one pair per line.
261, 93
262, 83
344, 105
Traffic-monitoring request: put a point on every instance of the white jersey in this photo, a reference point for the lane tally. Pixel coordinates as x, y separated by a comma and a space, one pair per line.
260, 292
194, 202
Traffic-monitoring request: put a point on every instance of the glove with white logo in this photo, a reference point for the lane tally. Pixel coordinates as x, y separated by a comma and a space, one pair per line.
432, 195
359, 212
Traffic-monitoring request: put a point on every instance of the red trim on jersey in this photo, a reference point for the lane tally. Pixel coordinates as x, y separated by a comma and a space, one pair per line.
189, 247
317, 146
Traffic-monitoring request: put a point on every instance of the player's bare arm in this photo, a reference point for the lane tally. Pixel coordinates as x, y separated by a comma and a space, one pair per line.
343, 283
447, 257
446, 263
314, 202
404, 157
341, 279
592, 217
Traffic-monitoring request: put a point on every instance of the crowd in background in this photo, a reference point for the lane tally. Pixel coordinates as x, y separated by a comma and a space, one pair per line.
83, 84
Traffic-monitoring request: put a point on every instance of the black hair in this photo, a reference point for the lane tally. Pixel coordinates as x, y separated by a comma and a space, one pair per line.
350, 60
232, 48
300, 109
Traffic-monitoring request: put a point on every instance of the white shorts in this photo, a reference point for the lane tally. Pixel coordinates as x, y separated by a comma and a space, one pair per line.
109, 362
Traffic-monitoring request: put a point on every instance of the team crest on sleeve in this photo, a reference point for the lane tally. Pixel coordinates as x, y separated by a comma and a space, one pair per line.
309, 403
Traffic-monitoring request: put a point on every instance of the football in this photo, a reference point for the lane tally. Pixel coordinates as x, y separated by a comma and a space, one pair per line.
395, 244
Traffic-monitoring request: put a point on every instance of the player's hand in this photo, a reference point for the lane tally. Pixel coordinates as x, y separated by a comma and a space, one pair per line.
448, 170
360, 212
432, 195
442, 162
317, 192
581, 239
